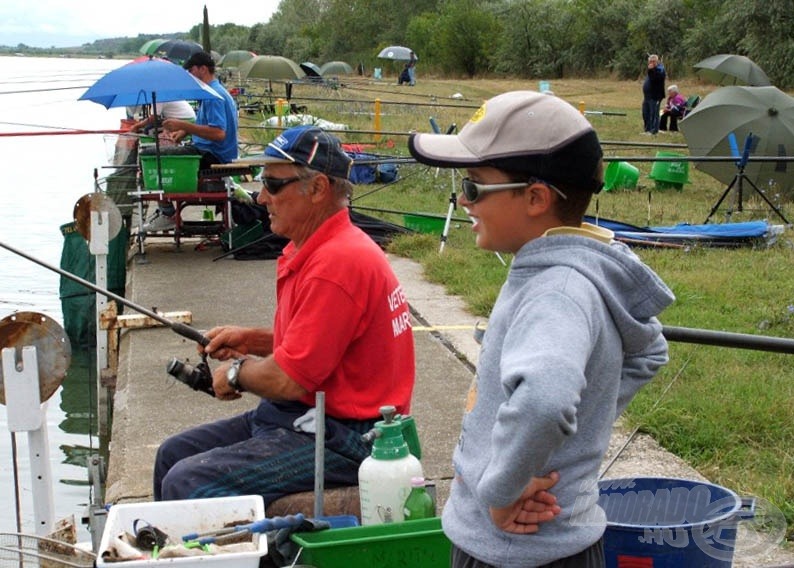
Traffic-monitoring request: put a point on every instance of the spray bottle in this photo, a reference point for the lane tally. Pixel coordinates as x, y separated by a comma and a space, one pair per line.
384, 478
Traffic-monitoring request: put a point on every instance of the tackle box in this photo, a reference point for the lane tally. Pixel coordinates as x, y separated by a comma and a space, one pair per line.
177, 518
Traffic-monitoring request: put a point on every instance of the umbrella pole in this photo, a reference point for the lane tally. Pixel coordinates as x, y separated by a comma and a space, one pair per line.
157, 142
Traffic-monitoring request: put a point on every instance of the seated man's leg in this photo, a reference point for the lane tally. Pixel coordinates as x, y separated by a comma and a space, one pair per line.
194, 442
273, 463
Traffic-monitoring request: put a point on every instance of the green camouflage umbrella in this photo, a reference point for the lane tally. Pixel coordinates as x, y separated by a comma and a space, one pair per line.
236, 57
729, 69
270, 67
336, 68
765, 112
150, 47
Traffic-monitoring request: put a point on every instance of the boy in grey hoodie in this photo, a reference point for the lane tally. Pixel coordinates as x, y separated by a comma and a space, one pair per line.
572, 337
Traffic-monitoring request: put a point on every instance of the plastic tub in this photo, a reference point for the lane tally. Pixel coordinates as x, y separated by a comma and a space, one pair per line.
177, 518
671, 173
620, 175
669, 523
418, 544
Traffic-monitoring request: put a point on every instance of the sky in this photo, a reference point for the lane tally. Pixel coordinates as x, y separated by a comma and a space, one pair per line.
68, 23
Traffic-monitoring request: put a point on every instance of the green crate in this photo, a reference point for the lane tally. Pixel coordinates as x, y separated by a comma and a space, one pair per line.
179, 173
418, 544
424, 224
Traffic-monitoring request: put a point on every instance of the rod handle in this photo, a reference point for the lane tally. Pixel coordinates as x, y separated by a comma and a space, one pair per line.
190, 333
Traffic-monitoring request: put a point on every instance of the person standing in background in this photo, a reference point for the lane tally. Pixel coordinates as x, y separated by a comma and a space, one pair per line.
412, 69
652, 94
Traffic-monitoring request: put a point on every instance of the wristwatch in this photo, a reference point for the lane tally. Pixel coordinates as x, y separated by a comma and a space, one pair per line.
233, 374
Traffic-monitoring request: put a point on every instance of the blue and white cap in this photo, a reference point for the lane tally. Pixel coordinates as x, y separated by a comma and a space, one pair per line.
309, 146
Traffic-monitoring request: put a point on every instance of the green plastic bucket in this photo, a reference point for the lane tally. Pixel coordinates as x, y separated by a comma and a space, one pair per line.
415, 544
424, 224
620, 175
670, 174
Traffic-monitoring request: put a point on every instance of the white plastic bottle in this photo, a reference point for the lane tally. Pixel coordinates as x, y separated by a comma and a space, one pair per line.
384, 478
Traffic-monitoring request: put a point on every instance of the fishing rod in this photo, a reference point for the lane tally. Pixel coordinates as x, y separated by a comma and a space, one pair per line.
680, 334
61, 132
178, 327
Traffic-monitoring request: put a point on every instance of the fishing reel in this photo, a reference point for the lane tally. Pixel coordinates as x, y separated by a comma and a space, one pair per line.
198, 378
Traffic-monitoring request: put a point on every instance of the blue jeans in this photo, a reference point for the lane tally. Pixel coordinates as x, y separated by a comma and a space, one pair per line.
650, 115
258, 452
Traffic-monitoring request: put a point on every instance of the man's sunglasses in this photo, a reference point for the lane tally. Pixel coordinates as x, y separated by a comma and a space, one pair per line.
274, 185
474, 191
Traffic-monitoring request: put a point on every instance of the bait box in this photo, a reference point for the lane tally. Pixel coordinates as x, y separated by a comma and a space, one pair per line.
177, 518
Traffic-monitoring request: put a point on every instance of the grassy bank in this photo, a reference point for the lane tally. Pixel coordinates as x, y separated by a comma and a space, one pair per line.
727, 411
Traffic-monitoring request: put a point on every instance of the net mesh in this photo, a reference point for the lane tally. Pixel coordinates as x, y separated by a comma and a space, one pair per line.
18, 549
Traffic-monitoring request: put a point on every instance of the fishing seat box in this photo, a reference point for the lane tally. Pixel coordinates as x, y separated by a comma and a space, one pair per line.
177, 518
179, 170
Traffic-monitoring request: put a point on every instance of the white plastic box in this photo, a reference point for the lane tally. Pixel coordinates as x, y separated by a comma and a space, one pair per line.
177, 518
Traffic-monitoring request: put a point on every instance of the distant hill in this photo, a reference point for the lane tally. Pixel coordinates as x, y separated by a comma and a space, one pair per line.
109, 47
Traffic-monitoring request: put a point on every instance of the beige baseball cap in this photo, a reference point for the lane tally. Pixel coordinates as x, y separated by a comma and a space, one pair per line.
524, 132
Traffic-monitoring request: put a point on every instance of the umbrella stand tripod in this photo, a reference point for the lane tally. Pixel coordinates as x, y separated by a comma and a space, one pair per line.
738, 182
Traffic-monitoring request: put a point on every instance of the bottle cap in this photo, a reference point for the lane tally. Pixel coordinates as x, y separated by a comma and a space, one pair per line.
417, 481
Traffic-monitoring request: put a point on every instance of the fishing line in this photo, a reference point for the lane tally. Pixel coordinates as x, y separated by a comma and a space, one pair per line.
655, 404
42, 90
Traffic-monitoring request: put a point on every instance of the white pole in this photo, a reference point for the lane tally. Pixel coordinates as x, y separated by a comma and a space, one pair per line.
99, 247
25, 413
319, 454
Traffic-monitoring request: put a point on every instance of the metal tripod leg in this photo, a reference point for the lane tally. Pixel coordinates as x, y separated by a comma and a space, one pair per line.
738, 182
720, 200
763, 196
453, 201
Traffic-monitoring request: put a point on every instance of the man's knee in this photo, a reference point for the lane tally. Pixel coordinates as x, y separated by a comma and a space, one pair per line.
176, 484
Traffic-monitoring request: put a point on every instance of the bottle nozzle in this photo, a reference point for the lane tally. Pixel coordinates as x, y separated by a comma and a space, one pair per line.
371, 435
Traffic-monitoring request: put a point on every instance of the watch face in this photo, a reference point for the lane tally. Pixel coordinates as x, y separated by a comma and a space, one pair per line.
231, 373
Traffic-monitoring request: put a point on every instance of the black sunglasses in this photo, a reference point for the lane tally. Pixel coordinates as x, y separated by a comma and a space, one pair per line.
274, 185
474, 191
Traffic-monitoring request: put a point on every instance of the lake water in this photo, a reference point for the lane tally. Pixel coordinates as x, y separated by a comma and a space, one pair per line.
42, 179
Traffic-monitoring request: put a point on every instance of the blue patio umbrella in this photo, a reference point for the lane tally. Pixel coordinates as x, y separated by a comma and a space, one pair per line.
147, 82
141, 83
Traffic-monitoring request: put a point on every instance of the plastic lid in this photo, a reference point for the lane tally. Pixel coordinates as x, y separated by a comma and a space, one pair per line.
417, 481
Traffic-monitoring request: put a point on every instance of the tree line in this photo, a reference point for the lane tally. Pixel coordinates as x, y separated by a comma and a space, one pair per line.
548, 39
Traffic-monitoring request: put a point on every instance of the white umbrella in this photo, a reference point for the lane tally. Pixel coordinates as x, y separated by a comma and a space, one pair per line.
397, 53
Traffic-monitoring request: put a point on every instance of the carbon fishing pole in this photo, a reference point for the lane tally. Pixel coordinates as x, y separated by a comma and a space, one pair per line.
680, 334
179, 328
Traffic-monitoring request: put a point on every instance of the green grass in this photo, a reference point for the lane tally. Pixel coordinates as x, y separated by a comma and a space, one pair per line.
729, 411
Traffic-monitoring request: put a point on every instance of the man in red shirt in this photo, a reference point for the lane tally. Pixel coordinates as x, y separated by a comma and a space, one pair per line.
342, 326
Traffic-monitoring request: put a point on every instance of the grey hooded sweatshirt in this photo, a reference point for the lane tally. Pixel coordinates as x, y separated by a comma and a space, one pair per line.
572, 337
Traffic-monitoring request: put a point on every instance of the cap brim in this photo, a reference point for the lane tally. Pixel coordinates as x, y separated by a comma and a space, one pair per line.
443, 150
262, 161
